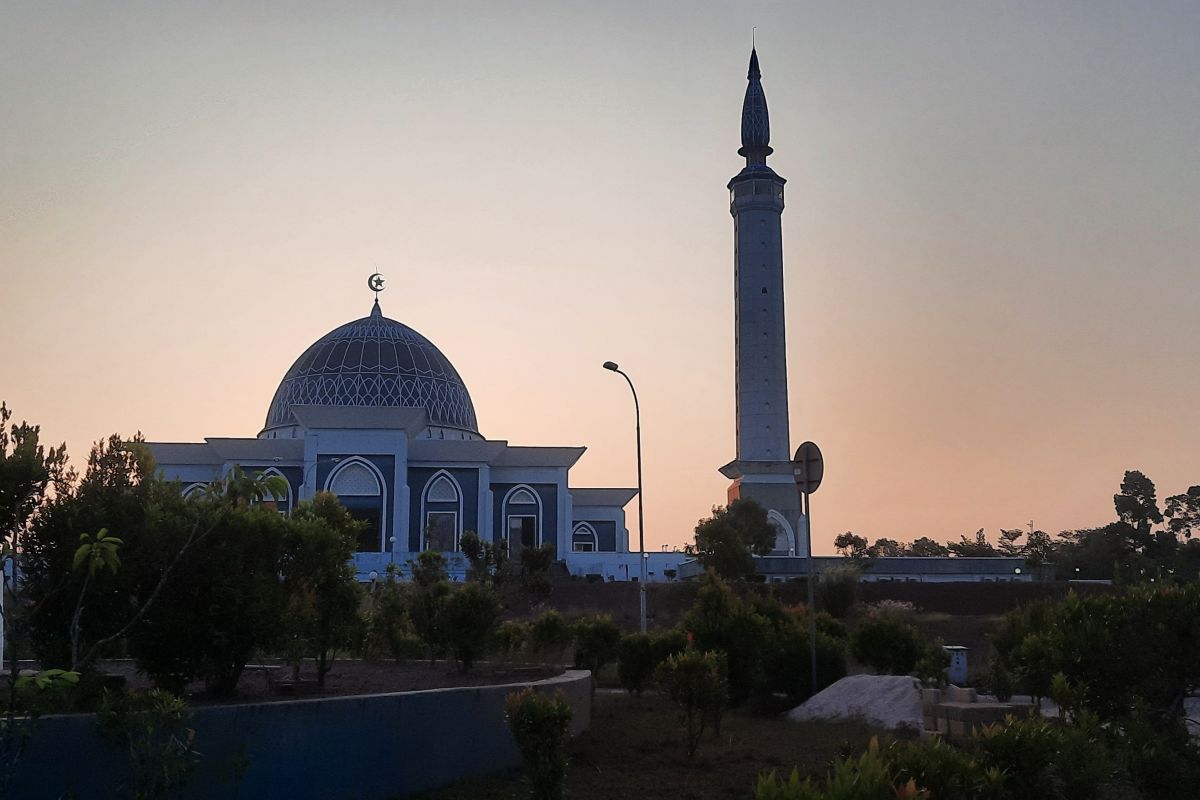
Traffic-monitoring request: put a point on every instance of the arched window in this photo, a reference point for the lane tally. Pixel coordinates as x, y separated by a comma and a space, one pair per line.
522, 513
195, 491
281, 504
360, 488
584, 539
441, 513
785, 540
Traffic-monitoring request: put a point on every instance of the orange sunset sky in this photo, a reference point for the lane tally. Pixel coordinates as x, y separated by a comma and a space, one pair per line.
990, 241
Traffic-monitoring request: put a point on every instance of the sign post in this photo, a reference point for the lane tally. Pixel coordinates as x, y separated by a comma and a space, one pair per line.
808, 465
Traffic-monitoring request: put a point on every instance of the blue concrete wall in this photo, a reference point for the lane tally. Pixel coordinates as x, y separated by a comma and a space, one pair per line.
369, 747
547, 493
418, 478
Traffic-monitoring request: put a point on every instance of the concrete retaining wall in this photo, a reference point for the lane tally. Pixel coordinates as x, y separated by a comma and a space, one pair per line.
366, 747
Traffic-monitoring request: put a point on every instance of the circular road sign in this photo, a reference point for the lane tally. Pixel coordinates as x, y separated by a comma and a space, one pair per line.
809, 467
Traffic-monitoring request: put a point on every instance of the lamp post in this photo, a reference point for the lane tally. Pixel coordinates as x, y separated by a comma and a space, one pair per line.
637, 416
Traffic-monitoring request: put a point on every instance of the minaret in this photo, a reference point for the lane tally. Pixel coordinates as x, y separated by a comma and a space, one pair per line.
762, 468
756, 203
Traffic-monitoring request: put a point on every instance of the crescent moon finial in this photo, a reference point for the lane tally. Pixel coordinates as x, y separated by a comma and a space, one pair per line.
375, 284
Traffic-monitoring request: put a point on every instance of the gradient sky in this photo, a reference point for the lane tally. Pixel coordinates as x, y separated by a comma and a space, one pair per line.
990, 242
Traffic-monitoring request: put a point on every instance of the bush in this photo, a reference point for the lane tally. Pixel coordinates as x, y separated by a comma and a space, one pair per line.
539, 724
151, 728
470, 618
721, 621
696, 682
837, 590
549, 635
1046, 759
510, 638
789, 664
932, 666
887, 645
596, 641
868, 777
635, 662
667, 643
388, 631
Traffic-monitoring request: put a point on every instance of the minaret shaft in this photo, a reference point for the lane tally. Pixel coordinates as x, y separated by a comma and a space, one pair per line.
756, 203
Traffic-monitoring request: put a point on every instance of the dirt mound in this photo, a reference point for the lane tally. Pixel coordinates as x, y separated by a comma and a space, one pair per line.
887, 701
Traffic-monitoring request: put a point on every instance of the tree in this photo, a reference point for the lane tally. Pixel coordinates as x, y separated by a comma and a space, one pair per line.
851, 545
727, 540
696, 682
927, 547
28, 471
470, 616
1010, 542
427, 601
885, 548
1137, 505
318, 578
1184, 512
973, 548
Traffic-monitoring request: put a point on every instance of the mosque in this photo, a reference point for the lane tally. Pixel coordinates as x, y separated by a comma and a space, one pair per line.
376, 414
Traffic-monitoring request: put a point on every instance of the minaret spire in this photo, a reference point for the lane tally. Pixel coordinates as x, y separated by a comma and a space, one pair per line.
756, 124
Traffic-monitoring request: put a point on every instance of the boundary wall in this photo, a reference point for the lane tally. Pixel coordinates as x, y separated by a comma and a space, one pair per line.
365, 747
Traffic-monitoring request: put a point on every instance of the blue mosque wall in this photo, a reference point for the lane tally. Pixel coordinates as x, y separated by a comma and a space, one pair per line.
546, 492
606, 533
468, 482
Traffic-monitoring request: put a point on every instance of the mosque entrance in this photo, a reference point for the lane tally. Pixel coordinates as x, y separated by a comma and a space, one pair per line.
522, 533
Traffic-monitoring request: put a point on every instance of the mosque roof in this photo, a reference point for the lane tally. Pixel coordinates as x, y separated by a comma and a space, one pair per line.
375, 362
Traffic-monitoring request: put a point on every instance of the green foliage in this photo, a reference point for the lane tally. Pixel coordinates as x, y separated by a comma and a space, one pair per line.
837, 590
540, 725
726, 541
721, 621
1047, 759
931, 668
535, 571
695, 681
471, 615
639, 655
510, 638
486, 559
388, 630
596, 640
152, 730
549, 635
97, 553
322, 593
427, 600
868, 777
789, 661
635, 662
851, 545
223, 602
886, 644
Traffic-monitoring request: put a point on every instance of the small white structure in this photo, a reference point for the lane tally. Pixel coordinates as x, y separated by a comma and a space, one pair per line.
958, 663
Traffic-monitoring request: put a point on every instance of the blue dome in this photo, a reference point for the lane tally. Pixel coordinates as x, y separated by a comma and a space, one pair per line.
375, 361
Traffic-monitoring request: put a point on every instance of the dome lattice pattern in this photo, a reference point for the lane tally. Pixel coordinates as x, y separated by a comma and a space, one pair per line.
375, 361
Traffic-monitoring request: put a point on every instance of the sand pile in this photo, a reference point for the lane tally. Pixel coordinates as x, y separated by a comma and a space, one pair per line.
887, 701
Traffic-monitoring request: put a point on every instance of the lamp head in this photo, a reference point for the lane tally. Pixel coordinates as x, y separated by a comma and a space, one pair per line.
611, 366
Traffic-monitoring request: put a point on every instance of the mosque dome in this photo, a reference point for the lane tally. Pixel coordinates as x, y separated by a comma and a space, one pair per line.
375, 361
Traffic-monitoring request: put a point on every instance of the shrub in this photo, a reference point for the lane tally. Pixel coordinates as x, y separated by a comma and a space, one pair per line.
388, 631
151, 729
887, 645
596, 641
667, 643
1046, 759
470, 617
510, 638
868, 777
539, 724
931, 668
635, 662
837, 590
549, 635
535, 571
831, 626
696, 682
427, 601
721, 621
789, 665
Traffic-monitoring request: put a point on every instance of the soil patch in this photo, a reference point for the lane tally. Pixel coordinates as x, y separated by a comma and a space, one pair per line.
267, 681
635, 750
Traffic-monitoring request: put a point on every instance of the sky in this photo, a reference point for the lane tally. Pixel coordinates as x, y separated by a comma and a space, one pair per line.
990, 241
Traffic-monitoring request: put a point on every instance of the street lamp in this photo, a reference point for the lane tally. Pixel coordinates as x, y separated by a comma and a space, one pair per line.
611, 366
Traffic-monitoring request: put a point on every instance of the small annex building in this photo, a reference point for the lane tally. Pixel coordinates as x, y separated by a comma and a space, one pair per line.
376, 414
